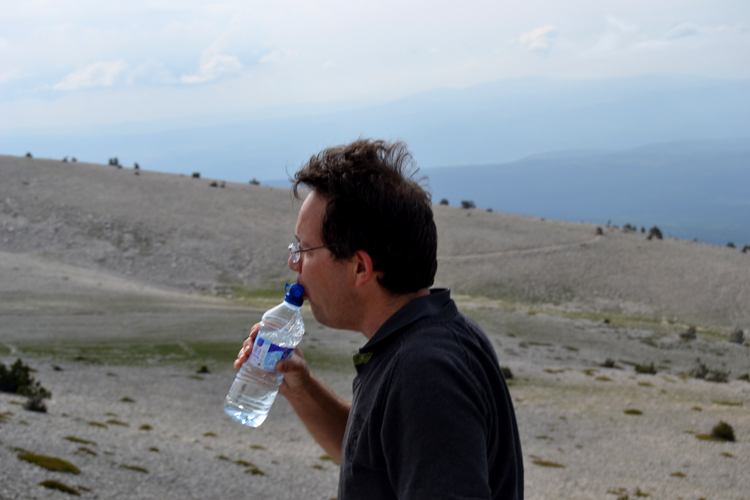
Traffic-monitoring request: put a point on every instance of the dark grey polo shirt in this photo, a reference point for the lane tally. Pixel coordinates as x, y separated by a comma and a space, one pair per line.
431, 414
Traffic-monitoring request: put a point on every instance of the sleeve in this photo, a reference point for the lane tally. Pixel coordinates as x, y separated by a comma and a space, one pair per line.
435, 428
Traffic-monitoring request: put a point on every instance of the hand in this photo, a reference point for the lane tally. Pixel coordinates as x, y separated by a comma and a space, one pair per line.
295, 369
247, 347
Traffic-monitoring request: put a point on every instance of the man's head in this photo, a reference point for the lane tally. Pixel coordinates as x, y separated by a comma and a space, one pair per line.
374, 204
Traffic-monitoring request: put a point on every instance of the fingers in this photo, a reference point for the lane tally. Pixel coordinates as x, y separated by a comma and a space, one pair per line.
295, 370
247, 347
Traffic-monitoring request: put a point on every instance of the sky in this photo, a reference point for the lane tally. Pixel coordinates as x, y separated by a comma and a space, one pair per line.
73, 64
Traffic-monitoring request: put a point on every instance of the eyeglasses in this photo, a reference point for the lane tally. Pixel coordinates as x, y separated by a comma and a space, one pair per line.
295, 251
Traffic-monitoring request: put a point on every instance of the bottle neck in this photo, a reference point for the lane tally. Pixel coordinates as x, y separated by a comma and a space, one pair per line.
291, 306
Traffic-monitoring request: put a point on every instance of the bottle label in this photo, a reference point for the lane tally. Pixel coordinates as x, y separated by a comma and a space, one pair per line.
265, 354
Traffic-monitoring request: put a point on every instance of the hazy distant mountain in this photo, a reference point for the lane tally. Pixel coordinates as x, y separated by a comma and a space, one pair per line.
489, 123
689, 189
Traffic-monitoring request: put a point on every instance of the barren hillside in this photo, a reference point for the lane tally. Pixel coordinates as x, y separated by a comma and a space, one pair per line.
180, 232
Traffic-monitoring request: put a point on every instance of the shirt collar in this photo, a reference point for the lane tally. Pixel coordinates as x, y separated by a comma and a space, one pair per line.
415, 310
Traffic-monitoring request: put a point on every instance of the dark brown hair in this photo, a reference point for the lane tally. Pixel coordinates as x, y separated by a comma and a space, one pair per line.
375, 204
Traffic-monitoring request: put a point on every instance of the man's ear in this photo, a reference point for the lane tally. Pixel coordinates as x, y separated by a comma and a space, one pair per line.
364, 268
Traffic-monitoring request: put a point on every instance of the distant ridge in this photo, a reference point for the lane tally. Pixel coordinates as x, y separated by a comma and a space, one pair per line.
690, 189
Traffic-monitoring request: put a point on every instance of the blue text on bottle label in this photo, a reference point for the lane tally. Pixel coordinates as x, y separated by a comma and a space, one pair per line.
265, 354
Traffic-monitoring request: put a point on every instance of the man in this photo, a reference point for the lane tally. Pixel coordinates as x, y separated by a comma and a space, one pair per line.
431, 416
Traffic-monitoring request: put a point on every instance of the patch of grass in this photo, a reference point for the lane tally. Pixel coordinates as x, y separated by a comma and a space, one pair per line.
209, 434
98, 424
244, 463
57, 485
257, 447
49, 463
74, 439
87, 450
728, 403
4, 416
317, 466
677, 474
696, 408
112, 421
221, 457
154, 448
325, 457
571, 348
135, 468
550, 370
645, 384
646, 369
255, 472
127, 400
545, 437
589, 371
506, 372
603, 379
145, 427
547, 463
633, 411
725, 454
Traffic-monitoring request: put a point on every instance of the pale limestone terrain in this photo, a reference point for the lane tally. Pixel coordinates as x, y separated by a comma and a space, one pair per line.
118, 286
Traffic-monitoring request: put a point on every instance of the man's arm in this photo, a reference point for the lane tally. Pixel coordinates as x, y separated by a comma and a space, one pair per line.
322, 411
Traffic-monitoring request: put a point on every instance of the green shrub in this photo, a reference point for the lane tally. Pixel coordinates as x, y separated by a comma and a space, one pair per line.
254, 182
723, 431
654, 232
506, 372
18, 380
444, 201
467, 204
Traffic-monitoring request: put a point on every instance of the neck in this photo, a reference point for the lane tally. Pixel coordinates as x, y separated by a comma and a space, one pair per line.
383, 307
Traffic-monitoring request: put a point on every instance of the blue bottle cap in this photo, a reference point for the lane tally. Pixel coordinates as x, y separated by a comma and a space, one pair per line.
294, 294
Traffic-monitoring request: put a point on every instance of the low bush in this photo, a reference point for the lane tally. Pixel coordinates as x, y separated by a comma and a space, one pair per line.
689, 334
444, 201
654, 232
737, 336
18, 380
254, 182
646, 369
723, 431
467, 204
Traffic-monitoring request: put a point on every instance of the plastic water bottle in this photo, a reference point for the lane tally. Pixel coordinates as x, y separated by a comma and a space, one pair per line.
257, 383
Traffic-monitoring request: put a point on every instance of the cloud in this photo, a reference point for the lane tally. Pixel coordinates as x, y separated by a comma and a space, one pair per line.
539, 39
98, 74
8, 75
212, 66
278, 55
151, 72
619, 34
682, 31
